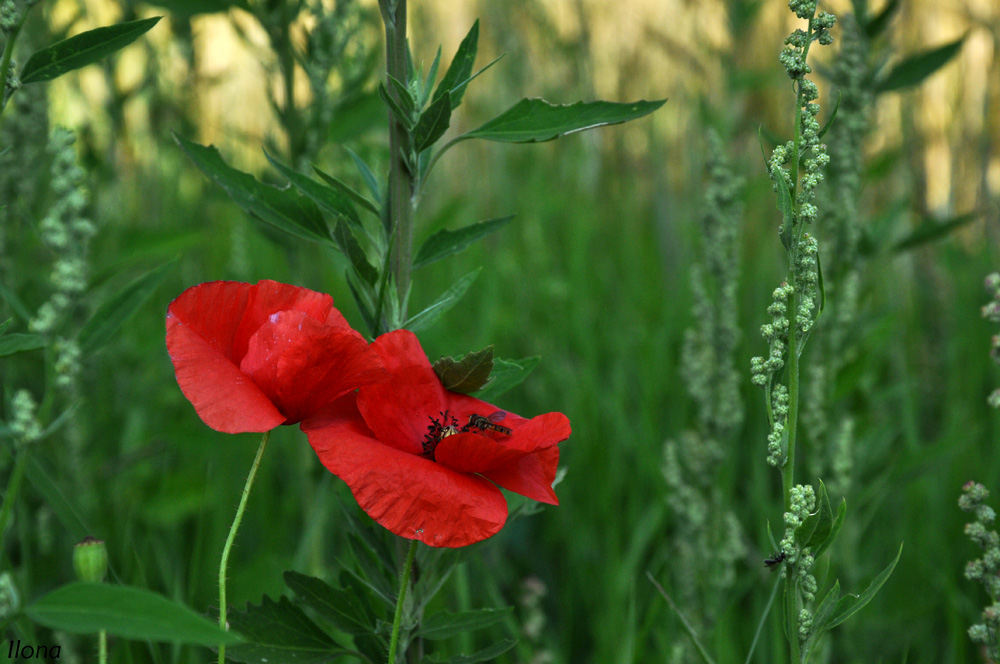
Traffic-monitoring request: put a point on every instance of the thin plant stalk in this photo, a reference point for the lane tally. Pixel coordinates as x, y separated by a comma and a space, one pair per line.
6, 59
397, 617
400, 199
232, 537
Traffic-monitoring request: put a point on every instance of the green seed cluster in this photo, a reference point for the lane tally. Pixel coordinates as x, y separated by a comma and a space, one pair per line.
985, 570
991, 312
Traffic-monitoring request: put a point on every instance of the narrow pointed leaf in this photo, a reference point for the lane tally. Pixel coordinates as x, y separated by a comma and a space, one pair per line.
445, 301
429, 81
506, 375
348, 244
916, 68
815, 529
445, 243
877, 24
444, 625
131, 613
327, 198
366, 174
346, 189
398, 112
117, 309
829, 120
838, 522
851, 604
931, 231
14, 343
82, 49
284, 209
403, 97
465, 374
785, 203
432, 124
364, 306
455, 79
535, 120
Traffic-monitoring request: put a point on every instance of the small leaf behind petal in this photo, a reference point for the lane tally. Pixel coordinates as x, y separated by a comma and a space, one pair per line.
466, 373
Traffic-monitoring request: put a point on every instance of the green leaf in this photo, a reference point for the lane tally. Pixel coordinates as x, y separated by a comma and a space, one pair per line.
82, 49
877, 24
833, 114
366, 174
916, 68
815, 528
507, 374
131, 613
487, 654
280, 633
341, 608
406, 119
467, 373
445, 301
432, 124
851, 604
445, 243
429, 81
404, 97
535, 120
365, 306
349, 245
346, 189
838, 522
282, 208
824, 612
117, 309
14, 343
456, 78
4, 325
931, 231
189, 8
445, 625
327, 198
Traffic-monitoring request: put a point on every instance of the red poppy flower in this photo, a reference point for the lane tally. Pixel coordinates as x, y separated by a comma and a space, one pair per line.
424, 462
252, 356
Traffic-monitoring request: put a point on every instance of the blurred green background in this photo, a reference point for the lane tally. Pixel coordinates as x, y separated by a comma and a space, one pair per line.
593, 275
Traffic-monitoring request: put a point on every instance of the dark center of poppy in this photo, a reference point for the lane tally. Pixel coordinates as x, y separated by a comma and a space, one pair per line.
438, 430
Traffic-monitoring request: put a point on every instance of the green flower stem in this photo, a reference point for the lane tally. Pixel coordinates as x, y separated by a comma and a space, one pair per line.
102, 647
400, 200
405, 581
232, 537
5, 60
13, 487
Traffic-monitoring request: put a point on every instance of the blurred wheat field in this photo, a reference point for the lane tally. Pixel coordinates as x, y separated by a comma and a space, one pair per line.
593, 275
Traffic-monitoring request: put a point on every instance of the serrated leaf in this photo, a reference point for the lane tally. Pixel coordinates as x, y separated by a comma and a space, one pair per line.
930, 231
445, 625
346, 189
282, 208
443, 303
488, 654
507, 374
916, 68
327, 198
445, 243
280, 633
535, 120
455, 79
851, 604
347, 611
131, 613
14, 343
433, 122
82, 49
348, 244
117, 309
467, 373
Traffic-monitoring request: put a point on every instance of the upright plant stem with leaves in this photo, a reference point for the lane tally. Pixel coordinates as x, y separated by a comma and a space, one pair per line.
796, 169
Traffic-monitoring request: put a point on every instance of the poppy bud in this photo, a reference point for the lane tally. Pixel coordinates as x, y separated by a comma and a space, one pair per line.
90, 560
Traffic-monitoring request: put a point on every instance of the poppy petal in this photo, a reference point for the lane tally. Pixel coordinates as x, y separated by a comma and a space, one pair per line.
222, 395
409, 495
303, 364
531, 475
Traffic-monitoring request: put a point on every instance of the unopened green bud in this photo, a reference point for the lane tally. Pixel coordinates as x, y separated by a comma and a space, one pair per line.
90, 560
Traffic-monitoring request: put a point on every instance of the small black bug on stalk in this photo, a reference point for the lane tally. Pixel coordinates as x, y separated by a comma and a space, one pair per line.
775, 560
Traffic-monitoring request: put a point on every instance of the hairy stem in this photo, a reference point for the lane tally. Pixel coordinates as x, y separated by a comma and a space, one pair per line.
232, 537
397, 617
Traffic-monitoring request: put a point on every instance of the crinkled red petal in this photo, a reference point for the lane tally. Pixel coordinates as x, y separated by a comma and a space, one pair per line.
409, 495
302, 364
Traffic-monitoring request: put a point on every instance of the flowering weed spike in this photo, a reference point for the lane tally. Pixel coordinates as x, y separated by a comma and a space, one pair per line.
985, 570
